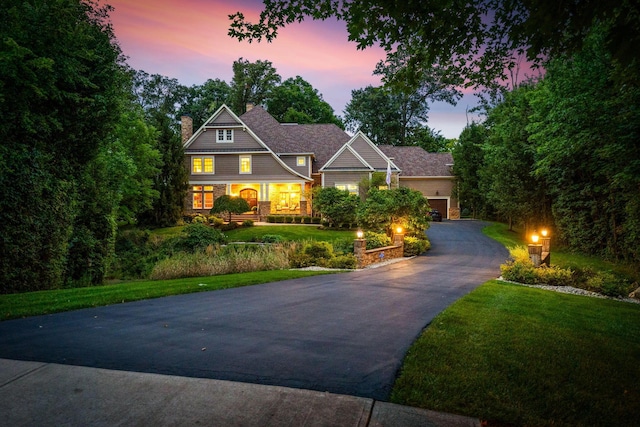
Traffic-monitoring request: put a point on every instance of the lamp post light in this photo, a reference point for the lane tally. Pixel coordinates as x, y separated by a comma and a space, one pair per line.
398, 237
535, 250
359, 247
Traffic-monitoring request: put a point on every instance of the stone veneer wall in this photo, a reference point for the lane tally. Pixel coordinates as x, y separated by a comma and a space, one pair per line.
373, 256
454, 213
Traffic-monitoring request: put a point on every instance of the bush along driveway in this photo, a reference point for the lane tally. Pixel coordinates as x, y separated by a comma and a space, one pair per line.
343, 333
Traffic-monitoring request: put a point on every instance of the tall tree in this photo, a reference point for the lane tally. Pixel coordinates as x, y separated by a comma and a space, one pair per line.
468, 160
60, 88
203, 100
587, 127
162, 99
509, 159
478, 41
296, 101
252, 82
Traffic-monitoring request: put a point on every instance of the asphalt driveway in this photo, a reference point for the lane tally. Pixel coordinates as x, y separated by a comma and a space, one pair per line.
343, 333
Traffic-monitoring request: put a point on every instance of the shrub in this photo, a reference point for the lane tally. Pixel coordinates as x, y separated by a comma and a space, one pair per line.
272, 238
271, 218
554, 276
319, 250
316, 220
306, 220
229, 226
343, 246
198, 237
199, 219
415, 246
247, 223
347, 261
376, 240
607, 283
288, 219
216, 221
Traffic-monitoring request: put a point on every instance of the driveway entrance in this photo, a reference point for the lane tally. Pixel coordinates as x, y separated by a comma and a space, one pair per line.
343, 333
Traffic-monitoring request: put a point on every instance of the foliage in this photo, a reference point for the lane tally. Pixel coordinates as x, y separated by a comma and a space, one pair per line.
197, 237
477, 42
272, 238
414, 246
204, 100
247, 223
520, 269
468, 161
227, 260
376, 240
385, 209
252, 82
336, 206
296, 101
61, 84
592, 162
345, 261
318, 253
509, 157
229, 205
512, 355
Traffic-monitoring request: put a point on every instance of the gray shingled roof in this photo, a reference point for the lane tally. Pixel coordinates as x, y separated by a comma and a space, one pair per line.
323, 140
415, 161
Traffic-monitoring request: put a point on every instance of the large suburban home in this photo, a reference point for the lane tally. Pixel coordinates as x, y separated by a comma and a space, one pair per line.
274, 166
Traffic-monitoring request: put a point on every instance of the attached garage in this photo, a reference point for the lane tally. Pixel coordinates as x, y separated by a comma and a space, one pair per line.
441, 205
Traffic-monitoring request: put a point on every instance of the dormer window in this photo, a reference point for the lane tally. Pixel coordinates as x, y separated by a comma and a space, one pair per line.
224, 135
301, 161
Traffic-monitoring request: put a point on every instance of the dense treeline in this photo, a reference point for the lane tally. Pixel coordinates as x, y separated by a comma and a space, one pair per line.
563, 150
88, 144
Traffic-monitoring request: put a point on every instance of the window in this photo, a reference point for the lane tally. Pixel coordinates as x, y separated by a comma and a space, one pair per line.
197, 197
202, 196
245, 164
224, 135
301, 161
351, 188
202, 165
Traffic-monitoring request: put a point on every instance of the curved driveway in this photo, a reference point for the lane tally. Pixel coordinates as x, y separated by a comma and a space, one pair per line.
343, 333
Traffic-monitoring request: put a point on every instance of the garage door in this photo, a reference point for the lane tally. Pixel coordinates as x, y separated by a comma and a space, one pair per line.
441, 205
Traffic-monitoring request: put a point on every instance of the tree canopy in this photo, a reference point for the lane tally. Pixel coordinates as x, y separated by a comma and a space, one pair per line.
477, 41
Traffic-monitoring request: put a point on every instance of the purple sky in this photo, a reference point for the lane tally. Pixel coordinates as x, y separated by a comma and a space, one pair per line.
187, 40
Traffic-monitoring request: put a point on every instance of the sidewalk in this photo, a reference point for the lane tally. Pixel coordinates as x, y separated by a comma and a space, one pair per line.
43, 394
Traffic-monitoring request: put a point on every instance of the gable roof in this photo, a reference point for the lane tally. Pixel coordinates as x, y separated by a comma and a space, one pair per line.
367, 156
320, 140
416, 162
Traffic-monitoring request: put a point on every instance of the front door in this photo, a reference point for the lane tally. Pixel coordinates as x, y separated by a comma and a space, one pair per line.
251, 196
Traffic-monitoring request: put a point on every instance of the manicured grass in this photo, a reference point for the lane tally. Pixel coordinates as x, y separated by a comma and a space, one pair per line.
520, 356
53, 301
288, 232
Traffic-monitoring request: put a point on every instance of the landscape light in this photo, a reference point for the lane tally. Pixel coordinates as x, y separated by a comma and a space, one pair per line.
359, 234
535, 237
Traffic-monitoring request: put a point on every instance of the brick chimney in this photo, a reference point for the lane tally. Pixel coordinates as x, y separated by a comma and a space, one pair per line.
186, 126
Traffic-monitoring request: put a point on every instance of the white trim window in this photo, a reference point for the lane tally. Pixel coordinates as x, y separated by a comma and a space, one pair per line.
301, 161
224, 135
351, 188
202, 196
245, 164
202, 165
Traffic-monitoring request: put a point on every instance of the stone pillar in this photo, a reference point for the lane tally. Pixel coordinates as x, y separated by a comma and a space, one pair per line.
454, 213
535, 254
186, 127
398, 239
546, 250
359, 246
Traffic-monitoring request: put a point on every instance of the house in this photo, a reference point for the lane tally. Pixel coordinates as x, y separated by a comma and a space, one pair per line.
275, 165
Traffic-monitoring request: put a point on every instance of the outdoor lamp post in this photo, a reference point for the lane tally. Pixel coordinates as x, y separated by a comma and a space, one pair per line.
359, 234
359, 247
398, 237
535, 250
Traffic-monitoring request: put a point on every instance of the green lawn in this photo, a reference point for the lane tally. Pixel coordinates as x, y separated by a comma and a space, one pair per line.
53, 301
514, 355
518, 356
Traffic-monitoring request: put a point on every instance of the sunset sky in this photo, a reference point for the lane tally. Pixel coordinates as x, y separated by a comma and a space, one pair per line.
187, 40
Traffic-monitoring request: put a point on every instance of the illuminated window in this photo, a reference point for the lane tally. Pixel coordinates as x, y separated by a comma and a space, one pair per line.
351, 188
202, 165
224, 135
245, 164
197, 197
301, 161
202, 196
208, 196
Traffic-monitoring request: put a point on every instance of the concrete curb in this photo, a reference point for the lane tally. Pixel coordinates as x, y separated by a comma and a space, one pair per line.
43, 394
